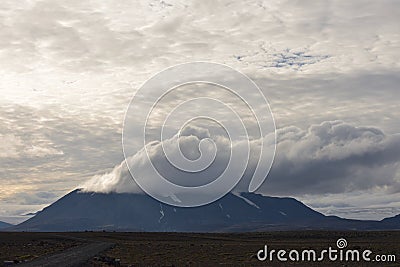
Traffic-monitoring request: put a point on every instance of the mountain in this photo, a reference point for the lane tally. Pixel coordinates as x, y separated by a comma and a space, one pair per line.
80, 211
4, 225
392, 222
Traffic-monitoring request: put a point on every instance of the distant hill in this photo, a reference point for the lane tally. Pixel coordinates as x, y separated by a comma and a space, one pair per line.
78, 211
4, 225
392, 222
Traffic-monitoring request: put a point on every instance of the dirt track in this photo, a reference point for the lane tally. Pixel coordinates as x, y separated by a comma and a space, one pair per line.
72, 257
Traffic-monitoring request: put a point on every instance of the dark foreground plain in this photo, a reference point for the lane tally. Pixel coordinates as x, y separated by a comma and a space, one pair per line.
184, 249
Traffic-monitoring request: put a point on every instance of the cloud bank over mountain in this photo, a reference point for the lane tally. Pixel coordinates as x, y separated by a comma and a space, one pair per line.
331, 157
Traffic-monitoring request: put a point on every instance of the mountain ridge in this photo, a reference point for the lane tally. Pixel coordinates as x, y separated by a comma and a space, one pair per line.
81, 211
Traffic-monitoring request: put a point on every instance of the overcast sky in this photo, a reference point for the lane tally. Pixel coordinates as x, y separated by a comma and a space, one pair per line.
330, 70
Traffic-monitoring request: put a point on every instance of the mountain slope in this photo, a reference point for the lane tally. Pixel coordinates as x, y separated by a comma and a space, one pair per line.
392, 222
78, 211
4, 225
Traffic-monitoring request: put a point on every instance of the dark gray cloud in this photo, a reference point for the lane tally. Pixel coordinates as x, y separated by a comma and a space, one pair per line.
333, 157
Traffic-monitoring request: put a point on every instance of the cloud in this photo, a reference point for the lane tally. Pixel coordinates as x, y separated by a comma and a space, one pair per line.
8, 146
13, 147
120, 180
280, 36
375, 204
331, 157
37, 198
365, 98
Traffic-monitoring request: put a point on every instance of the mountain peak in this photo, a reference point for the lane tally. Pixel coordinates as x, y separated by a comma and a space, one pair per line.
80, 211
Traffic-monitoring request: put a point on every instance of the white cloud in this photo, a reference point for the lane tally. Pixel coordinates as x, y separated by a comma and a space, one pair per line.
277, 36
13, 147
118, 180
332, 157
8, 146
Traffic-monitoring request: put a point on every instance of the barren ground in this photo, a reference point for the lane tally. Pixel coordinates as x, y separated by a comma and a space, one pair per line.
189, 249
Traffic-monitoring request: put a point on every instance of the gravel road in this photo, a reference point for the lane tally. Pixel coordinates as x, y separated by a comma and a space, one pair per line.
70, 258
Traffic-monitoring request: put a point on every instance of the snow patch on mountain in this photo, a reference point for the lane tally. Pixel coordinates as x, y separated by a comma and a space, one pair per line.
162, 213
246, 200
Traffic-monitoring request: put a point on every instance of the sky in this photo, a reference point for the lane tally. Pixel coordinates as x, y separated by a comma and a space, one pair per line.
329, 69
